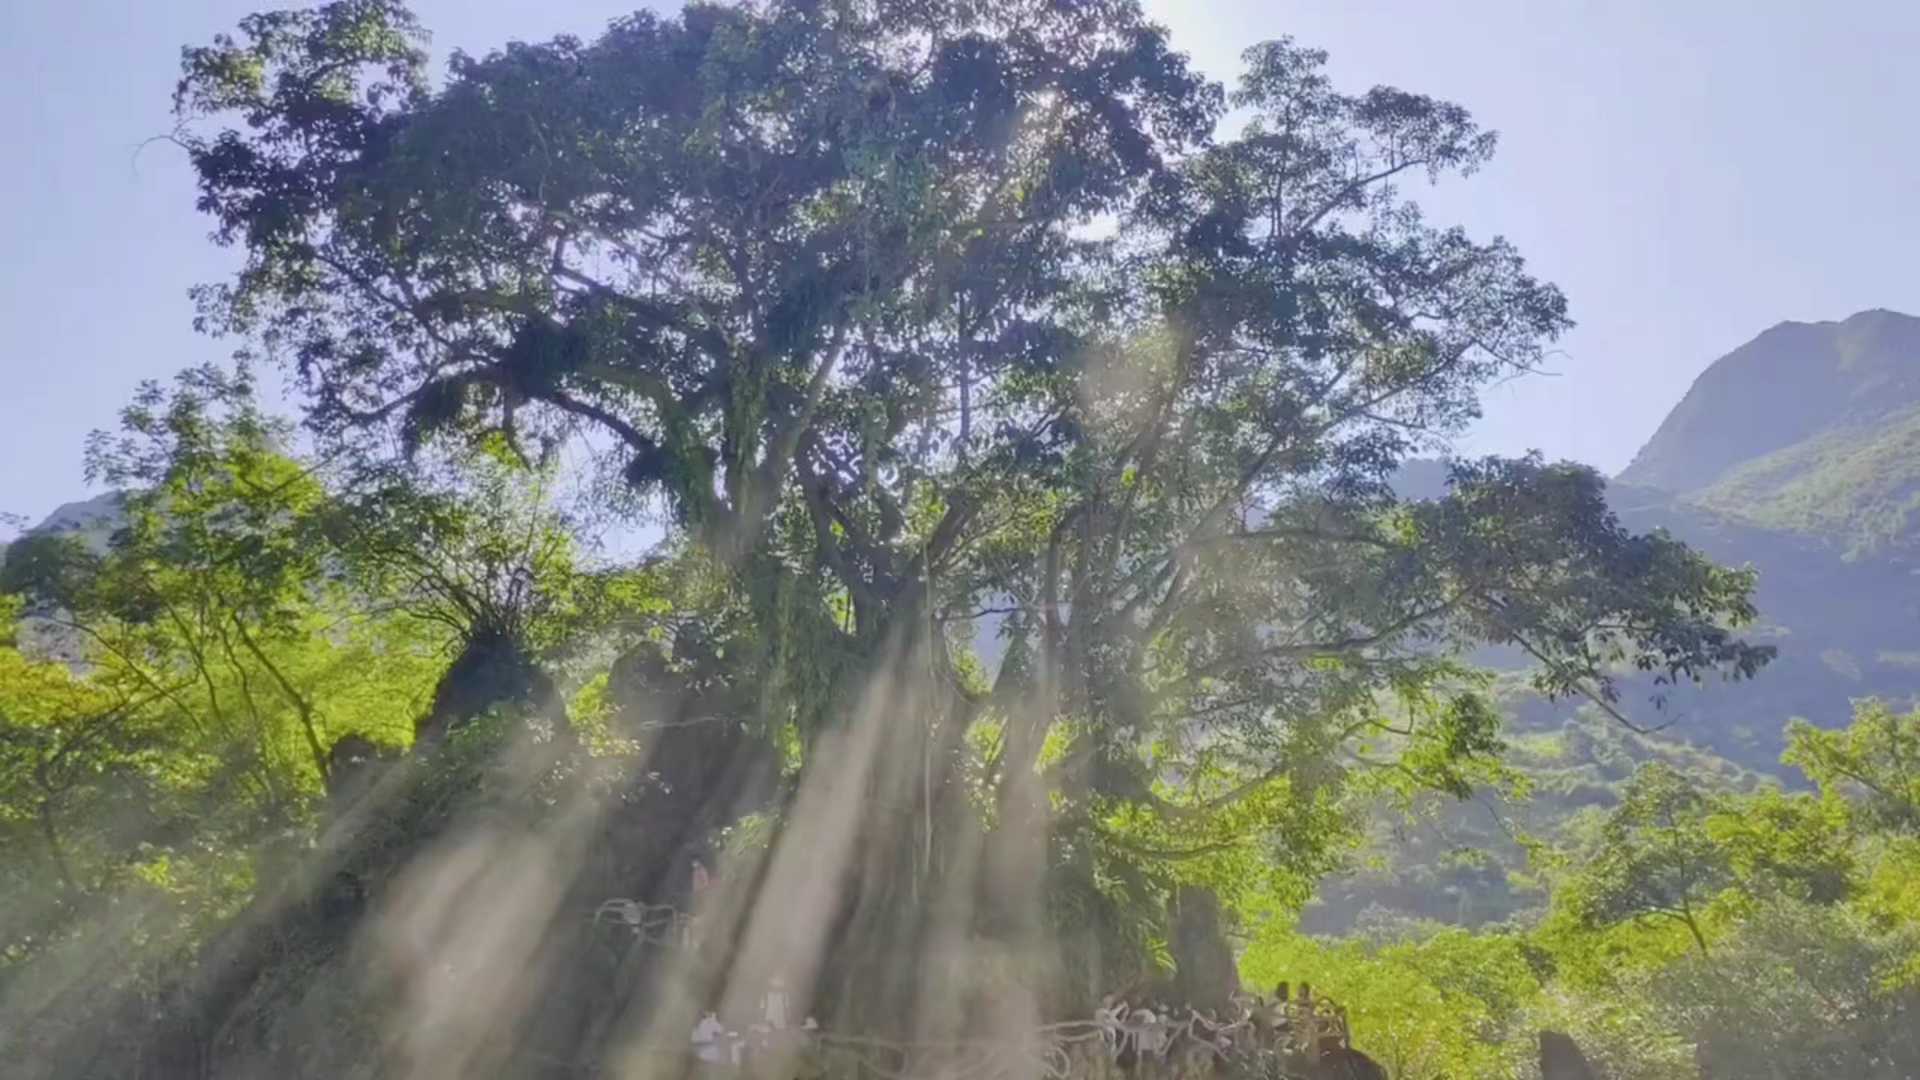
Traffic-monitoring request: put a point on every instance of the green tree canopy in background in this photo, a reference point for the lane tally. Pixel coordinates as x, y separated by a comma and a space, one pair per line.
910, 313
1878, 756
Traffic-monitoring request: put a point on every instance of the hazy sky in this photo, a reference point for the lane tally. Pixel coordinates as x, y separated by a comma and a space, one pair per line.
1691, 172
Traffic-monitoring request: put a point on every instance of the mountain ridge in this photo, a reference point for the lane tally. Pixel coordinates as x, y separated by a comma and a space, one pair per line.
1792, 382
93, 520
1823, 501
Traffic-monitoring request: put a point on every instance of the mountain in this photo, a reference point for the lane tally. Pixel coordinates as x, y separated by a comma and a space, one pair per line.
93, 520
1810, 430
1857, 487
1797, 454
1793, 383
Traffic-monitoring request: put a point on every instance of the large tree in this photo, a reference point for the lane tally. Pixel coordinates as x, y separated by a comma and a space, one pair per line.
914, 314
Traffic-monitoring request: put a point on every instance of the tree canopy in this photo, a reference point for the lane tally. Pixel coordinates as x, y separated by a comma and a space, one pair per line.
912, 316
1020, 432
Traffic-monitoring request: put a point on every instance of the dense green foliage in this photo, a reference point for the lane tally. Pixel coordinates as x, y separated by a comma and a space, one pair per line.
1033, 607
1694, 930
859, 342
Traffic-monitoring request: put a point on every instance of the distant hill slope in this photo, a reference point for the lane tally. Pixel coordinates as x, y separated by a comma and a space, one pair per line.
1465, 862
1846, 620
1797, 454
1856, 488
1795, 382
93, 520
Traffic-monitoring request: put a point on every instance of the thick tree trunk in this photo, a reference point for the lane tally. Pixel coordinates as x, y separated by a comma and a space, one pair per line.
1561, 1059
492, 670
1204, 973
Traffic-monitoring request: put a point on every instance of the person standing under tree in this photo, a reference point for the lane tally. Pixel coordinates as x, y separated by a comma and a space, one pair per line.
700, 881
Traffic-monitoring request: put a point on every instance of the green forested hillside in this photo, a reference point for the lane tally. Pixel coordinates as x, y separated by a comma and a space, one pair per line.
1795, 382
1799, 454
1855, 488
1822, 519
1820, 505
1474, 861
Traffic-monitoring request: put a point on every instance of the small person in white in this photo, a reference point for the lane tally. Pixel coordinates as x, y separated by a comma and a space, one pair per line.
1147, 1036
774, 1005
706, 1040
1112, 1018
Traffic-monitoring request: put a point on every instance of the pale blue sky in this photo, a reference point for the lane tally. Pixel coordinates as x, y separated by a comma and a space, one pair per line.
1691, 172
